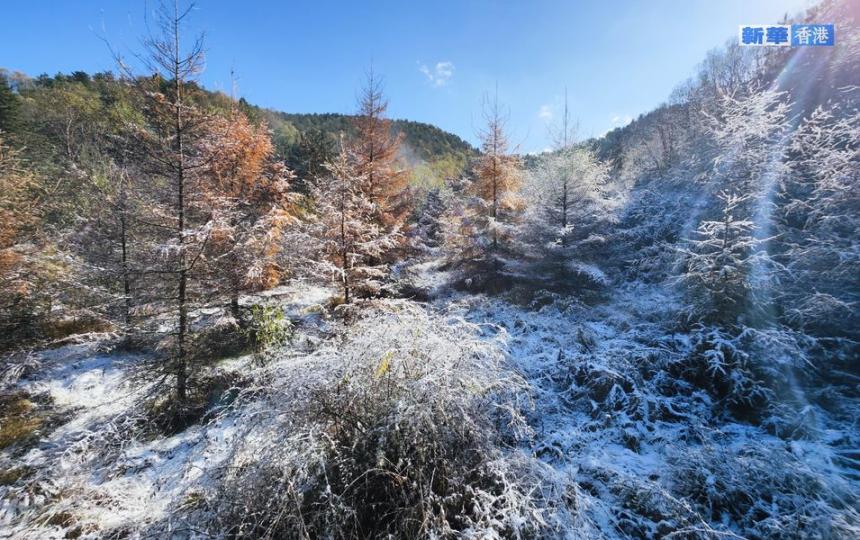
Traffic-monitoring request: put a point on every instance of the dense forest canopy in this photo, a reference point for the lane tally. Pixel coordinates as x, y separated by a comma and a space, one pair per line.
220, 320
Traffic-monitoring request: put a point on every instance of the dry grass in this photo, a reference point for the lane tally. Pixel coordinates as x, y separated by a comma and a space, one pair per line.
19, 419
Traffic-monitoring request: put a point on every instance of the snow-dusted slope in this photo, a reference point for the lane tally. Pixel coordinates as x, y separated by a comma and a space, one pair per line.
613, 444
653, 456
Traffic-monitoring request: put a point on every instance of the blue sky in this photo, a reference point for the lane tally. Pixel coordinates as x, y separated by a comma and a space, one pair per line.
618, 59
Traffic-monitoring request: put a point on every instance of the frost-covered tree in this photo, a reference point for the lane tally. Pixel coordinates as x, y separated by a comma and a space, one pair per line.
719, 262
374, 151
728, 256
549, 189
748, 133
107, 240
347, 230
22, 274
429, 227
565, 198
566, 207
485, 224
497, 174
819, 220
251, 207
170, 144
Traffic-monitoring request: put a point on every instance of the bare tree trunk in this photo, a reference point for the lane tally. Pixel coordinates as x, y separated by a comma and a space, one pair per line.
181, 368
495, 202
234, 306
564, 211
126, 278
343, 251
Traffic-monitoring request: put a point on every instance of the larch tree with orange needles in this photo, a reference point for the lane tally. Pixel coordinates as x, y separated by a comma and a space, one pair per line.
251, 208
484, 229
347, 231
374, 153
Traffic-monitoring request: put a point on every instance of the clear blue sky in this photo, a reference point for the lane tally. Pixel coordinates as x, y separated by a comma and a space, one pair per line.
617, 58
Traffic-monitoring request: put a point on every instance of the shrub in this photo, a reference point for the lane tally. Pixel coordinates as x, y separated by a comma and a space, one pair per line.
767, 492
720, 365
269, 329
405, 429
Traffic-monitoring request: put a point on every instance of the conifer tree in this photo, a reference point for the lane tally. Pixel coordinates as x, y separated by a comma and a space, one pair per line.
818, 222
497, 173
348, 232
729, 261
564, 188
375, 150
566, 206
720, 261
8, 106
171, 146
747, 134
19, 271
307, 158
486, 223
428, 230
248, 192
106, 241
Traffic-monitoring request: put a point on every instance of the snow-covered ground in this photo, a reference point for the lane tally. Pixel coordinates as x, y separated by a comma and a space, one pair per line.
645, 461
91, 474
643, 456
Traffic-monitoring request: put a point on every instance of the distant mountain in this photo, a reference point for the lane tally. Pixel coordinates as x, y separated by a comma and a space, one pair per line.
425, 141
422, 142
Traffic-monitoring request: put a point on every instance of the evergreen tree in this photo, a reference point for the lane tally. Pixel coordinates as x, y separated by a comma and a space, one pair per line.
428, 230
9, 106
106, 241
566, 205
818, 222
728, 268
719, 263
747, 135
22, 295
308, 157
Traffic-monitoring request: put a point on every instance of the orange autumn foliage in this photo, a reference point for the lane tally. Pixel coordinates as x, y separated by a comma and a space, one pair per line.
251, 206
20, 271
375, 151
497, 171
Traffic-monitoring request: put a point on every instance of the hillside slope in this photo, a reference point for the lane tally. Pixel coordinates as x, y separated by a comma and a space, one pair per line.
426, 141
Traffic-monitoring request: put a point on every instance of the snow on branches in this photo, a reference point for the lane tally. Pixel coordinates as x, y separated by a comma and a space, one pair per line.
349, 235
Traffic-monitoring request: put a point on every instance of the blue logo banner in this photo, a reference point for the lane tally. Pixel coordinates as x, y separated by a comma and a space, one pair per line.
812, 35
784, 35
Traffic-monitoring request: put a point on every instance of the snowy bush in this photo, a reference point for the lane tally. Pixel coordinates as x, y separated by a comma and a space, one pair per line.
403, 429
768, 492
720, 366
269, 329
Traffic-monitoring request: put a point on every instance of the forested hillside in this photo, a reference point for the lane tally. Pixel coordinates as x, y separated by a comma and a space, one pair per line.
218, 320
426, 141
